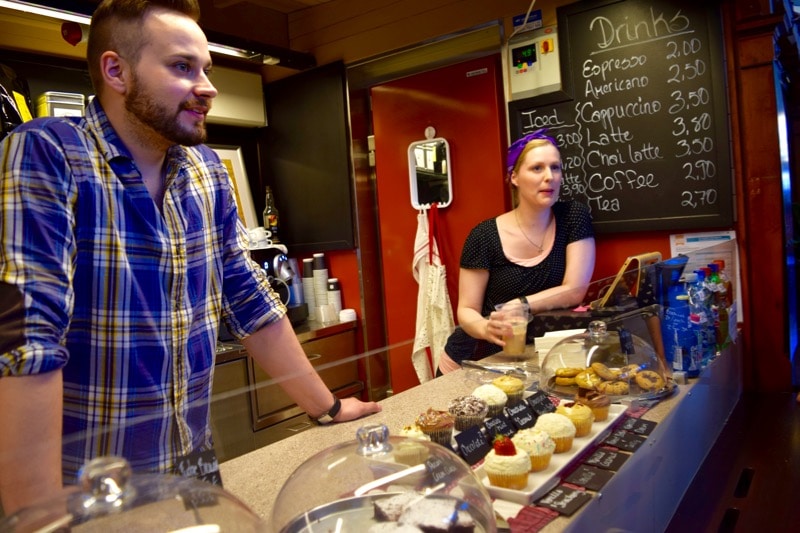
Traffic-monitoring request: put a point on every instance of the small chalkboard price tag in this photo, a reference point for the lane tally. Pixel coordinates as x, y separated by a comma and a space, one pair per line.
200, 464
564, 500
624, 440
590, 477
638, 426
441, 469
607, 459
473, 444
540, 403
522, 416
499, 425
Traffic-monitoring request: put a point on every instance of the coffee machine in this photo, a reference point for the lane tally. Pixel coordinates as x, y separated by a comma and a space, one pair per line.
282, 276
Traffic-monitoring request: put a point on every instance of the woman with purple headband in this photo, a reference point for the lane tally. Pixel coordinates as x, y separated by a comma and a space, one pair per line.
541, 252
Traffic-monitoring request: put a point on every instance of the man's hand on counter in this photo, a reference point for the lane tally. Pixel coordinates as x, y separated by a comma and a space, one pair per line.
353, 408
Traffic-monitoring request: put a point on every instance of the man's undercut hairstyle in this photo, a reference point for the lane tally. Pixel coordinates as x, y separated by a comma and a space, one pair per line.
117, 26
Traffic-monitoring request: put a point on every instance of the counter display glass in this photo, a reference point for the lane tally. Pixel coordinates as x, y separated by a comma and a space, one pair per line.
384, 481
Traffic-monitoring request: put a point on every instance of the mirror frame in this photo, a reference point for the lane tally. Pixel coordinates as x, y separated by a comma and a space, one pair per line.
414, 178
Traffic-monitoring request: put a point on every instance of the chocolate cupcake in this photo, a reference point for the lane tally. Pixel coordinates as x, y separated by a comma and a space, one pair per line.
469, 411
438, 425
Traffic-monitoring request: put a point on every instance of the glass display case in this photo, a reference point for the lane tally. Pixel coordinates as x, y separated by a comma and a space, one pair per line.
383, 479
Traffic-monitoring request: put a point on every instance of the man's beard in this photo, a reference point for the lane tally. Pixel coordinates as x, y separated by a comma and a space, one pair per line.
160, 119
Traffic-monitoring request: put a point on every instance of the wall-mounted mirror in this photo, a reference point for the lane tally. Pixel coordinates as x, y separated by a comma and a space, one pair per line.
429, 172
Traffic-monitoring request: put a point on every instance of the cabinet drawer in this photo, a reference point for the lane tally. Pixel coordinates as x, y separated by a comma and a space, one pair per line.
271, 405
326, 353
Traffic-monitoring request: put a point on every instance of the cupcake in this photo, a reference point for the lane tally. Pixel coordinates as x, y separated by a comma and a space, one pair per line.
413, 431
596, 401
579, 414
537, 444
559, 427
411, 452
468, 411
513, 387
506, 466
438, 425
494, 397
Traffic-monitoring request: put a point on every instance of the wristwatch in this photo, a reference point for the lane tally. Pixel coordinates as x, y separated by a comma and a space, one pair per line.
327, 418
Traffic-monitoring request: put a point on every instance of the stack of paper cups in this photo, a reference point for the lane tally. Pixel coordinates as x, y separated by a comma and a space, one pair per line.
308, 287
320, 280
335, 294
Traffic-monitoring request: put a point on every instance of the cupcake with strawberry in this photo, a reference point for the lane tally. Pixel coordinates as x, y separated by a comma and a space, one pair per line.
506, 466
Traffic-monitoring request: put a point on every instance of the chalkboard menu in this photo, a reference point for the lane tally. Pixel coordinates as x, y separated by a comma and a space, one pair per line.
641, 118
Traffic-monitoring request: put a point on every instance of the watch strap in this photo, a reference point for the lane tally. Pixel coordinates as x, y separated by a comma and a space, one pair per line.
327, 418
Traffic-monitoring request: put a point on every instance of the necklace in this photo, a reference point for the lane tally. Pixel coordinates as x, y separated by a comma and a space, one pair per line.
537, 246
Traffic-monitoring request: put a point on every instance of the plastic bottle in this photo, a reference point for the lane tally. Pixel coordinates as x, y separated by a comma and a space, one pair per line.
678, 335
699, 318
727, 285
271, 217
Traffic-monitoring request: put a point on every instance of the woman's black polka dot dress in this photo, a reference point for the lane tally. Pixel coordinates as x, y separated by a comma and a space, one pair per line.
507, 280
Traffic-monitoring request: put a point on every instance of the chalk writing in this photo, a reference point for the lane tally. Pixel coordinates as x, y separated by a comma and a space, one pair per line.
642, 121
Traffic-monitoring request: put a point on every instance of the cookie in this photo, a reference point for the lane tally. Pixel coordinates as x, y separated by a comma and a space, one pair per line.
565, 381
649, 380
613, 388
629, 371
604, 372
587, 380
568, 372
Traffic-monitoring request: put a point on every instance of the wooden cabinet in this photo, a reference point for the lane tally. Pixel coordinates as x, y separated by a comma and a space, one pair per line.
306, 160
271, 404
249, 409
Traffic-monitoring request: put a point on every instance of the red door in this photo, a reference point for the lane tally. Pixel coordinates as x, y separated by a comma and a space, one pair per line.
465, 104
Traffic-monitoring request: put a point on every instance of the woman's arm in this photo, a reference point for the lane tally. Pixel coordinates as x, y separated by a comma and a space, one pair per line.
577, 276
471, 292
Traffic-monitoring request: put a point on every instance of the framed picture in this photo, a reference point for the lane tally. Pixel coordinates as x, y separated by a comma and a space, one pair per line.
231, 157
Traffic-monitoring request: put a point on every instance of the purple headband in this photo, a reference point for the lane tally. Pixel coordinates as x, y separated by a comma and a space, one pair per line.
517, 146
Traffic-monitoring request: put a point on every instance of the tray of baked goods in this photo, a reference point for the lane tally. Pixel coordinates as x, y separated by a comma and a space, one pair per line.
528, 465
615, 363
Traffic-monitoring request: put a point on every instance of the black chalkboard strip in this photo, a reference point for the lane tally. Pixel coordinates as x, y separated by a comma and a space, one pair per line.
641, 118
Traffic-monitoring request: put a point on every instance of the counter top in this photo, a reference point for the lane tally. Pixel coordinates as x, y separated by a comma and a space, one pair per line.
699, 408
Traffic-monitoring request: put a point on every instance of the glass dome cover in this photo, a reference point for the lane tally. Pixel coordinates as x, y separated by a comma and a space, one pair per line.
110, 498
616, 363
381, 478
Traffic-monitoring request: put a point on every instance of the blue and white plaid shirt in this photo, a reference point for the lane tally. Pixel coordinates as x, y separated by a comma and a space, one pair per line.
126, 298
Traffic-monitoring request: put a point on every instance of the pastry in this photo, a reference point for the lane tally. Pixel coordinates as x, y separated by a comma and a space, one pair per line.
565, 381
494, 397
579, 414
568, 372
596, 401
604, 372
614, 388
587, 379
629, 371
392, 527
413, 431
389, 509
506, 465
438, 515
468, 411
559, 427
411, 451
513, 387
649, 380
438, 425
538, 445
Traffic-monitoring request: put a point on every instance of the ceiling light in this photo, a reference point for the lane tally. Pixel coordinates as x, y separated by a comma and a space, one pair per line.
233, 52
68, 16
51, 12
